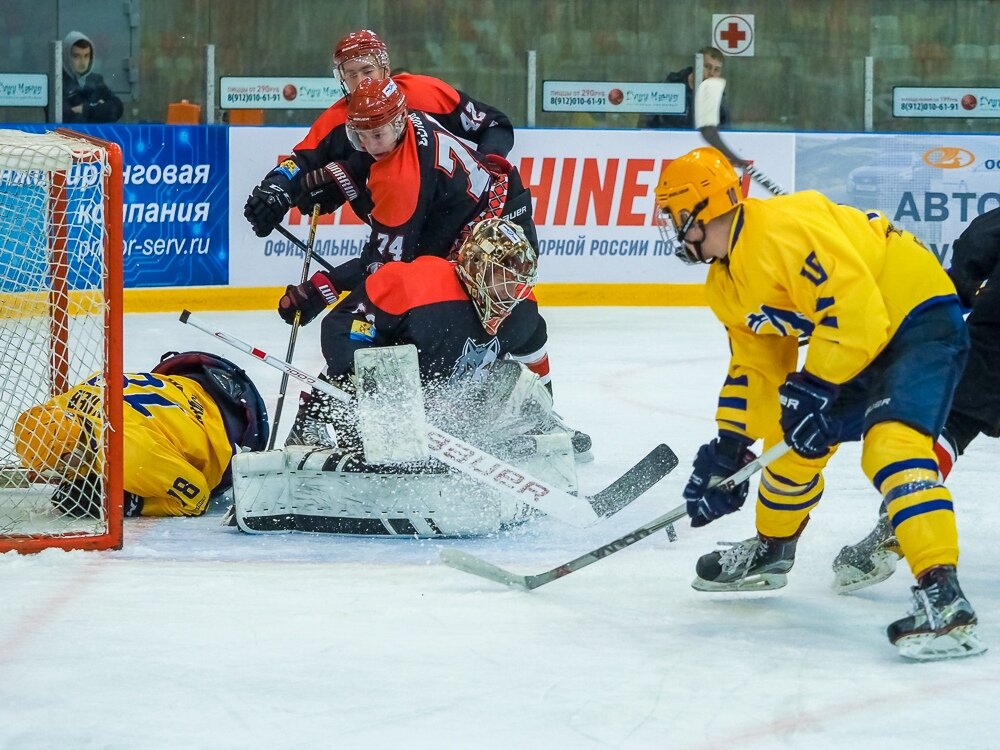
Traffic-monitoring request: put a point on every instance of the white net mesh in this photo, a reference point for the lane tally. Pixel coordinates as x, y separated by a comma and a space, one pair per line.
52, 332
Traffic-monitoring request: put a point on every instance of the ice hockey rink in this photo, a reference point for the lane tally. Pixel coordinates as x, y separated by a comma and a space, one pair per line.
197, 636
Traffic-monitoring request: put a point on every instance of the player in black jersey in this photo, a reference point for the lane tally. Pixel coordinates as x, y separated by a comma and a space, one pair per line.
357, 56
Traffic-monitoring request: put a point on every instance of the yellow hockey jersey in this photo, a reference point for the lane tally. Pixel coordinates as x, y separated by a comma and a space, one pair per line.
176, 449
803, 266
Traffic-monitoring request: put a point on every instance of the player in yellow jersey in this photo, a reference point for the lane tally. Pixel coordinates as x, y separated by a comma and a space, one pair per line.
182, 423
886, 346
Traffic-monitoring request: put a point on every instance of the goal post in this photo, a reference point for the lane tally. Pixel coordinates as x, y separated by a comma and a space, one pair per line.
61, 283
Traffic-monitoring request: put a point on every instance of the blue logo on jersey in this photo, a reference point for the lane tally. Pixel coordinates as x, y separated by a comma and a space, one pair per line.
783, 322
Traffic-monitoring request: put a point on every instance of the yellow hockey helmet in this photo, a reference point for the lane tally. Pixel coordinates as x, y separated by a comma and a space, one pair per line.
50, 438
699, 186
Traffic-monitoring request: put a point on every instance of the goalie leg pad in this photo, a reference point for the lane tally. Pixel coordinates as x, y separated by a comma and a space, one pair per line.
304, 489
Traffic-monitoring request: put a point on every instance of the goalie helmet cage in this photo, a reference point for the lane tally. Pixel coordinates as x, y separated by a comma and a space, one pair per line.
60, 324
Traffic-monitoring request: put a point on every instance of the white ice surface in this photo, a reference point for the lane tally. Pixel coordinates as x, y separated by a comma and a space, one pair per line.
195, 636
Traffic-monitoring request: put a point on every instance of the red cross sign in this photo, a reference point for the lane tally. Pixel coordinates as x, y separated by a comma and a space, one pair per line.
733, 34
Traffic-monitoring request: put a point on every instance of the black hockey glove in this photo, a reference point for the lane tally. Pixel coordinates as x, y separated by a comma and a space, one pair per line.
132, 506
717, 460
79, 497
805, 414
266, 207
308, 299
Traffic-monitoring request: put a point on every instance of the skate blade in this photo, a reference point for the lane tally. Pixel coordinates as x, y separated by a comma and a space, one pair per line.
761, 582
847, 578
956, 643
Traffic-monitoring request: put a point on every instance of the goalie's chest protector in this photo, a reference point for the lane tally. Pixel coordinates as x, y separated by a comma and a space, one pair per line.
424, 304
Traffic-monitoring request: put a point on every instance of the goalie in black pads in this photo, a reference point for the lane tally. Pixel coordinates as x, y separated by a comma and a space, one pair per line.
481, 370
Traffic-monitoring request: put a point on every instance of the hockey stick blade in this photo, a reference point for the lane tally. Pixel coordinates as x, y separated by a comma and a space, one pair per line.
633, 483
471, 564
459, 560
467, 563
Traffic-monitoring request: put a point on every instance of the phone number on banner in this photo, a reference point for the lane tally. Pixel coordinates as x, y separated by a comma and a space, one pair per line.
928, 106
252, 98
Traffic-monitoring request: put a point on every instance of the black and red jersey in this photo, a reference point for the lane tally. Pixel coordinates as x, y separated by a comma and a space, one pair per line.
423, 303
426, 195
487, 127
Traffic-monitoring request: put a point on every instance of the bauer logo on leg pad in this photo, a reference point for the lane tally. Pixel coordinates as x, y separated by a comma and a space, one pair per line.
486, 465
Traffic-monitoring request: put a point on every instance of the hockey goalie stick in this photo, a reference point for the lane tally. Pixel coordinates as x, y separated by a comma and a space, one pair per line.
467, 563
572, 509
307, 250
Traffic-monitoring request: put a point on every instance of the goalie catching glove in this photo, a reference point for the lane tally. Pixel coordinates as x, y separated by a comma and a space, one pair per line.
308, 299
266, 207
717, 460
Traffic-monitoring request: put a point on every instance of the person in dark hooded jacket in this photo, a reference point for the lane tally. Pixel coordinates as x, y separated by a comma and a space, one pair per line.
86, 97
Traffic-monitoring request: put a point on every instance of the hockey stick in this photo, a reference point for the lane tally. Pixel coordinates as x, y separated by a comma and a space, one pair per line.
764, 181
467, 563
490, 470
708, 111
307, 258
303, 247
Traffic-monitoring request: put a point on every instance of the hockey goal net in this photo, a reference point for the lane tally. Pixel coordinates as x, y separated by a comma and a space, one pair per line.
60, 324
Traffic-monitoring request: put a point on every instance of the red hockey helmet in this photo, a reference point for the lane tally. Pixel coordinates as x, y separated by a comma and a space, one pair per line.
365, 46
377, 109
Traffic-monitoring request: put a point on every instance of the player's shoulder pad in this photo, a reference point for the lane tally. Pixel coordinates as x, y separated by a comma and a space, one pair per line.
428, 94
333, 117
397, 287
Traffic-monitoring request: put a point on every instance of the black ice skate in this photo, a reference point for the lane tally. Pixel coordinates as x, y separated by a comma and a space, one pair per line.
313, 421
942, 624
868, 562
756, 564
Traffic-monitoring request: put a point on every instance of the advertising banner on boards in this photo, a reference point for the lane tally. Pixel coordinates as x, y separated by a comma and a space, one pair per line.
593, 203
175, 213
931, 185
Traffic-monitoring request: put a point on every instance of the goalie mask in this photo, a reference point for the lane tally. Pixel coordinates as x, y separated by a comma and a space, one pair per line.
53, 438
498, 268
376, 116
359, 55
695, 188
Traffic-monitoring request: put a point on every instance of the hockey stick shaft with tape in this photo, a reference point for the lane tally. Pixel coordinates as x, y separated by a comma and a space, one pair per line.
572, 509
471, 564
764, 181
303, 247
307, 250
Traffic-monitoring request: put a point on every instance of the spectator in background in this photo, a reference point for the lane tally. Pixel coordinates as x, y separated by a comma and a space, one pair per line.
712, 60
86, 97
